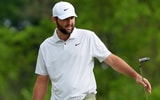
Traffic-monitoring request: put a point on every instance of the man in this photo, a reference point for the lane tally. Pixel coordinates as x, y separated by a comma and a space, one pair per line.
67, 59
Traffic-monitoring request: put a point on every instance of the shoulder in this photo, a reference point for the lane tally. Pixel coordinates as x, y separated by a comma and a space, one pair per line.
85, 32
46, 42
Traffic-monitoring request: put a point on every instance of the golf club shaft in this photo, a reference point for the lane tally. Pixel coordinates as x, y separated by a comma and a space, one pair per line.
141, 72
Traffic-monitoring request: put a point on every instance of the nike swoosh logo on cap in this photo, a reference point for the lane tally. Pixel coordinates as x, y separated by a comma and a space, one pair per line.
66, 9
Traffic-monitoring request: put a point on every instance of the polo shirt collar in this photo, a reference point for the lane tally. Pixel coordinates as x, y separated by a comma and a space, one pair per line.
72, 36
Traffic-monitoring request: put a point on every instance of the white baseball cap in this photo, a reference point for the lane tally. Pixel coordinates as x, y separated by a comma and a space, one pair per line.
63, 10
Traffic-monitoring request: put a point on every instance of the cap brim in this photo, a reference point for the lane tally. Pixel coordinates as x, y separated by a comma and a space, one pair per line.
67, 16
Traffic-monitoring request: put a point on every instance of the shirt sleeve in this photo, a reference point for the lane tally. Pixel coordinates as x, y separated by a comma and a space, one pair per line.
40, 66
99, 50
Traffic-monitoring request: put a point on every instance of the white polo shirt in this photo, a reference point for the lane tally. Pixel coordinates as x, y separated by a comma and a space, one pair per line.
70, 63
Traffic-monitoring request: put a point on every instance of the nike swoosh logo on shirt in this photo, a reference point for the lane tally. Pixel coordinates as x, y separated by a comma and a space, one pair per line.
77, 44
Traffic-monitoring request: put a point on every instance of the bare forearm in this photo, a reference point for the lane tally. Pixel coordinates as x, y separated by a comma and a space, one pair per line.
121, 66
39, 93
40, 88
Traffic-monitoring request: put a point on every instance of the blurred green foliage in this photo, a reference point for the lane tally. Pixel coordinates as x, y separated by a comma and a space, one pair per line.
129, 28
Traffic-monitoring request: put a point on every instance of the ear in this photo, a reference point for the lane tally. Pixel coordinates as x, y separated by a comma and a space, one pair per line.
54, 19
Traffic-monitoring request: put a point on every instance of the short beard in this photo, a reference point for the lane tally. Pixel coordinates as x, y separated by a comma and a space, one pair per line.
64, 31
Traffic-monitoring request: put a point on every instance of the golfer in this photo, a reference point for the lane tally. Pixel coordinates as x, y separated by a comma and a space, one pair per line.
67, 60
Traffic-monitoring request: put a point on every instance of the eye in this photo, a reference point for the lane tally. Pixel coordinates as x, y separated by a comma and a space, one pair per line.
72, 17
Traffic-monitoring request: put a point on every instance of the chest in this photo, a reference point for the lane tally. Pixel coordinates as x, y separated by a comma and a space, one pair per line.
64, 51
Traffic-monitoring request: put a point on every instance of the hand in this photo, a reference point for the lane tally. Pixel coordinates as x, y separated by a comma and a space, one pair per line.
145, 83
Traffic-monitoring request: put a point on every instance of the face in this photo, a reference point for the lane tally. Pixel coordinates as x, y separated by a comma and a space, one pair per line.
65, 26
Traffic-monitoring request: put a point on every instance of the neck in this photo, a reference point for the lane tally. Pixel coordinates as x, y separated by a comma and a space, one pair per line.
62, 36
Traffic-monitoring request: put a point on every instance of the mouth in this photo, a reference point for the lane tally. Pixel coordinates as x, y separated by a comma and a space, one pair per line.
69, 27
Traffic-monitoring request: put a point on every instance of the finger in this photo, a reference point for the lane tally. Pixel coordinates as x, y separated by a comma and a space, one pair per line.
141, 81
147, 85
